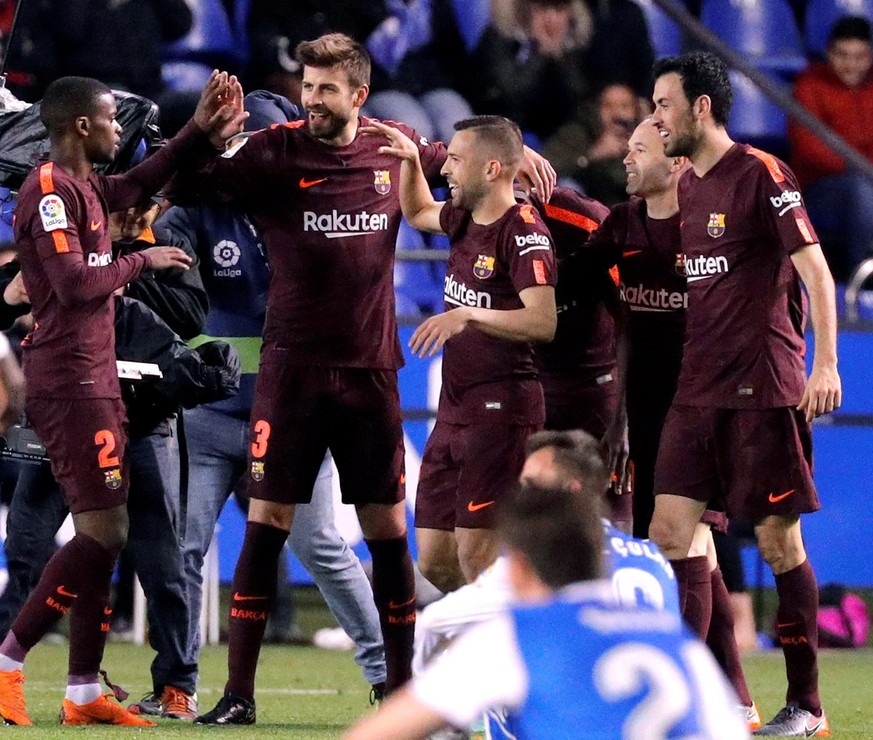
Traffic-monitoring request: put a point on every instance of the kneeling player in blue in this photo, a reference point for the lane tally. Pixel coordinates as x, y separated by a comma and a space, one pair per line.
566, 659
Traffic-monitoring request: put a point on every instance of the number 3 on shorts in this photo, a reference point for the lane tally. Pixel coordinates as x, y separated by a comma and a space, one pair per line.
105, 440
262, 437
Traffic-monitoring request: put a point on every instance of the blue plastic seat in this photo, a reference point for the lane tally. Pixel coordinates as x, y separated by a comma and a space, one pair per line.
210, 38
664, 32
765, 31
416, 283
754, 118
820, 18
472, 17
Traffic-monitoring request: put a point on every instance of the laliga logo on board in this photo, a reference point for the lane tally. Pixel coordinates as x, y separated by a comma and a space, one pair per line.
382, 181
483, 268
715, 227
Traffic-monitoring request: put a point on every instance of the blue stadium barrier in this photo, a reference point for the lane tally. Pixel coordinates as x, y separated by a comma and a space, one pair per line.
763, 30
820, 17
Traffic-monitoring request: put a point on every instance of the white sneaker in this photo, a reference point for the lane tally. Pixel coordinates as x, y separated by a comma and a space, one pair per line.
333, 639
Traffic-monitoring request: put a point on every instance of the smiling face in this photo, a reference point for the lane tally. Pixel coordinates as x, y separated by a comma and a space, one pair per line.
465, 170
332, 104
104, 132
647, 166
674, 117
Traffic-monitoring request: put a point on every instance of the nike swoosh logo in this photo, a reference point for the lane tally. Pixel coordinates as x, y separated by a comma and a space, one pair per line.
107, 611
810, 731
776, 499
62, 592
475, 507
309, 183
631, 253
95, 225
392, 605
237, 597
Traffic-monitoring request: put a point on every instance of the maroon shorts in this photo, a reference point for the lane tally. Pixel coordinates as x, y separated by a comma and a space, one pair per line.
86, 441
591, 411
300, 412
749, 463
465, 470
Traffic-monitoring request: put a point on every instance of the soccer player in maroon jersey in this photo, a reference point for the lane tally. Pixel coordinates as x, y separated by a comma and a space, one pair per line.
500, 297
326, 203
642, 237
738, 432
73, 394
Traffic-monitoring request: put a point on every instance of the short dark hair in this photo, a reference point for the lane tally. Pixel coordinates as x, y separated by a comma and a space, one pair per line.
68, 98
559, 531
501, 138
336, 50
577, 454
850, 27
702, 73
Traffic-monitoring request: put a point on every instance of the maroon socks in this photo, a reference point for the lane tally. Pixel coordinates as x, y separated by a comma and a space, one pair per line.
695, 592
721, 640
797, 632
394, 594
254, 590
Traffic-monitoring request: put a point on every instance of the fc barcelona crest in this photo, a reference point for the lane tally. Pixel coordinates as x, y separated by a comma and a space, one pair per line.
382, 181
112, 478
483, 268
257, 470
715, 227
680, 265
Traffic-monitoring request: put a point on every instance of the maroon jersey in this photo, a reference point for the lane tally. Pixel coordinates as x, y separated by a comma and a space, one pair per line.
62, 233
582, 355
652, 286
487, 379
744, 340
329, 216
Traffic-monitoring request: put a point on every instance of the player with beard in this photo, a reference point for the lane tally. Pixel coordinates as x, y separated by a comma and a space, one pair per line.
738, 433
325, 201
642, 236
73, 394
500, 297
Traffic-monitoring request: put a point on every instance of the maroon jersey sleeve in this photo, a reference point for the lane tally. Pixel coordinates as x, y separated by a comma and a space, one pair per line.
526, 247
572, 218
784, 213
451, 219
56, 239
134, 186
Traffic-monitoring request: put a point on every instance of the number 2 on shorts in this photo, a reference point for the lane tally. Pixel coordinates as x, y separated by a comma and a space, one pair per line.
105, 439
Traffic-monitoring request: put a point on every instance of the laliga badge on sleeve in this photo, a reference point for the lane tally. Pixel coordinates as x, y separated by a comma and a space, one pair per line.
52, 212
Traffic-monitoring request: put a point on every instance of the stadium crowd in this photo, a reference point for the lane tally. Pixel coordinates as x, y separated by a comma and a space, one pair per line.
645, 279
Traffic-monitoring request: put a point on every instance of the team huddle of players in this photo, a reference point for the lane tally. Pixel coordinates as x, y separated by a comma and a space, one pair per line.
703, 240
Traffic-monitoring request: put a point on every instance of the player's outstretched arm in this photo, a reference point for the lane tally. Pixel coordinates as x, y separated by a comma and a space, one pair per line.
220, 113
823, 392
416, 200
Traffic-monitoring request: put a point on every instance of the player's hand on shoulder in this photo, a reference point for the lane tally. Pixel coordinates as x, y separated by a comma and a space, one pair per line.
167, 258
434, 332
823, 392
536, 173
399, 144
220, 113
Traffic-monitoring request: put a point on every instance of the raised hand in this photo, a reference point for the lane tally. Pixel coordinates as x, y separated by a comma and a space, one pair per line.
220, 113
399, 144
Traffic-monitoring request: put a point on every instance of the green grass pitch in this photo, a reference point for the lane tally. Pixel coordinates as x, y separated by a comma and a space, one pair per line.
307, 693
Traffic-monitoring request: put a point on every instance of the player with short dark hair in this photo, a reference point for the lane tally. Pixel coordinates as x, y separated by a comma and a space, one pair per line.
325, 200
73, 394
738, 434
500, 297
